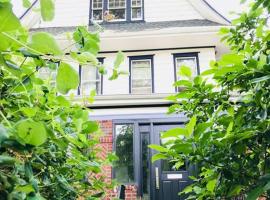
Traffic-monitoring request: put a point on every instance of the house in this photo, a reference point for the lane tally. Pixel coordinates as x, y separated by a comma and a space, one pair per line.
157, 37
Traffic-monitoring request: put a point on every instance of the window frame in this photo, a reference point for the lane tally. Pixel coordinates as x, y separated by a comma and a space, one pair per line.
101, 60
135, 148
92, 10
126, 9
143, 57
128, 13
142, 11
185, 55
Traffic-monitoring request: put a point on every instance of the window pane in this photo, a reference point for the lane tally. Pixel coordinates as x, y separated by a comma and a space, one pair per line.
124, 167
97, 4
136, 3
145, 141
90, 80
189, 62
141, 80
97, 14
118, 13
117, 3
136, 13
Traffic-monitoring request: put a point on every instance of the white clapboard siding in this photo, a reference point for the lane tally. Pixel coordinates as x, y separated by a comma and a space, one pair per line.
69, 13
169, 10
163, 70
76, 12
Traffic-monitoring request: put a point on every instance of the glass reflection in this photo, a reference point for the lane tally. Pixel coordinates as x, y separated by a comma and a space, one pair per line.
124, 167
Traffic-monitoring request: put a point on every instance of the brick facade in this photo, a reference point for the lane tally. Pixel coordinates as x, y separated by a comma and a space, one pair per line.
106, 144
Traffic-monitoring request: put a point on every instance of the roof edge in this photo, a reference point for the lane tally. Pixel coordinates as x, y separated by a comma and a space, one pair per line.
209, 12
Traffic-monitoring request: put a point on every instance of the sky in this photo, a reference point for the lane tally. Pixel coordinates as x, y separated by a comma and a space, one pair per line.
226, 6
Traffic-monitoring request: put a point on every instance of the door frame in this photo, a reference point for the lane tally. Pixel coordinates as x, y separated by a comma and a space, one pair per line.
137, 147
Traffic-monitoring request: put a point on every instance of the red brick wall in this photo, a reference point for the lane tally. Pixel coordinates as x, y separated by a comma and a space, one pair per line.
106, 144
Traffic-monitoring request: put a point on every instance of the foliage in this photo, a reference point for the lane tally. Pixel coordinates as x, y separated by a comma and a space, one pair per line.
228, 135
45, 148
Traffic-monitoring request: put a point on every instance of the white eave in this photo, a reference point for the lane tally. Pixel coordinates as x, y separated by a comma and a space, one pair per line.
209, 12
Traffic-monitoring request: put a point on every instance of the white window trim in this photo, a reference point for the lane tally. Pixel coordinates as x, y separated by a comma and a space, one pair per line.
131, 70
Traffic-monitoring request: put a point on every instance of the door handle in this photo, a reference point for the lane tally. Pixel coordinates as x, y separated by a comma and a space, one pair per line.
157, 178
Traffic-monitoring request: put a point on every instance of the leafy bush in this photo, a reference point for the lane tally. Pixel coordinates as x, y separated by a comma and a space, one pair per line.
46, 151
228, 134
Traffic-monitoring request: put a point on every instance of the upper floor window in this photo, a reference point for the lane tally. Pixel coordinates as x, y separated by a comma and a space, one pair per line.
141, 75
97, 10
91, 80
117, 10
136, 9
186, 59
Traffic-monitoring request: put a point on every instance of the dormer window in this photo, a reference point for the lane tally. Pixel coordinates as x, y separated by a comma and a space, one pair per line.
116, 10
136, 9
97, 10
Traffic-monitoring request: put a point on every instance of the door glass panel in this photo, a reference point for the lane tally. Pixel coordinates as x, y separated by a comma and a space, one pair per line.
124, 166
145, 166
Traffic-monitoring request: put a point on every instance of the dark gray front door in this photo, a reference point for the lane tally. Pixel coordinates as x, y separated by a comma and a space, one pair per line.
166, 182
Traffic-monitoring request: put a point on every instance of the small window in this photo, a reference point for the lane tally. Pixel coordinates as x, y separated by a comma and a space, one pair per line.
141, 76
117, 8
97, 10
186, 59
136, 9
124, 166
90, 80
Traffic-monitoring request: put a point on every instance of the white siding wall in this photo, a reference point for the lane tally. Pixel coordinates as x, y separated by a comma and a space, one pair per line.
69, 13
167, 10
76, 12
163, 70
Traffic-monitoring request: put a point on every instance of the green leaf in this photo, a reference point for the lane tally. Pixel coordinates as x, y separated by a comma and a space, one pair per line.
32, 132
185, 71
119, 59
26, 3
85, 58
44, 43
25, 188
175, 132
190, 126
158, 156
7, 160
235, 190
9, 21
185, 148
90, 127
67, 78
208, 72
201, 128
261, 79
47, 9
29, 112
158, 148
186, 83
3, 134
211, 185
259, 190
